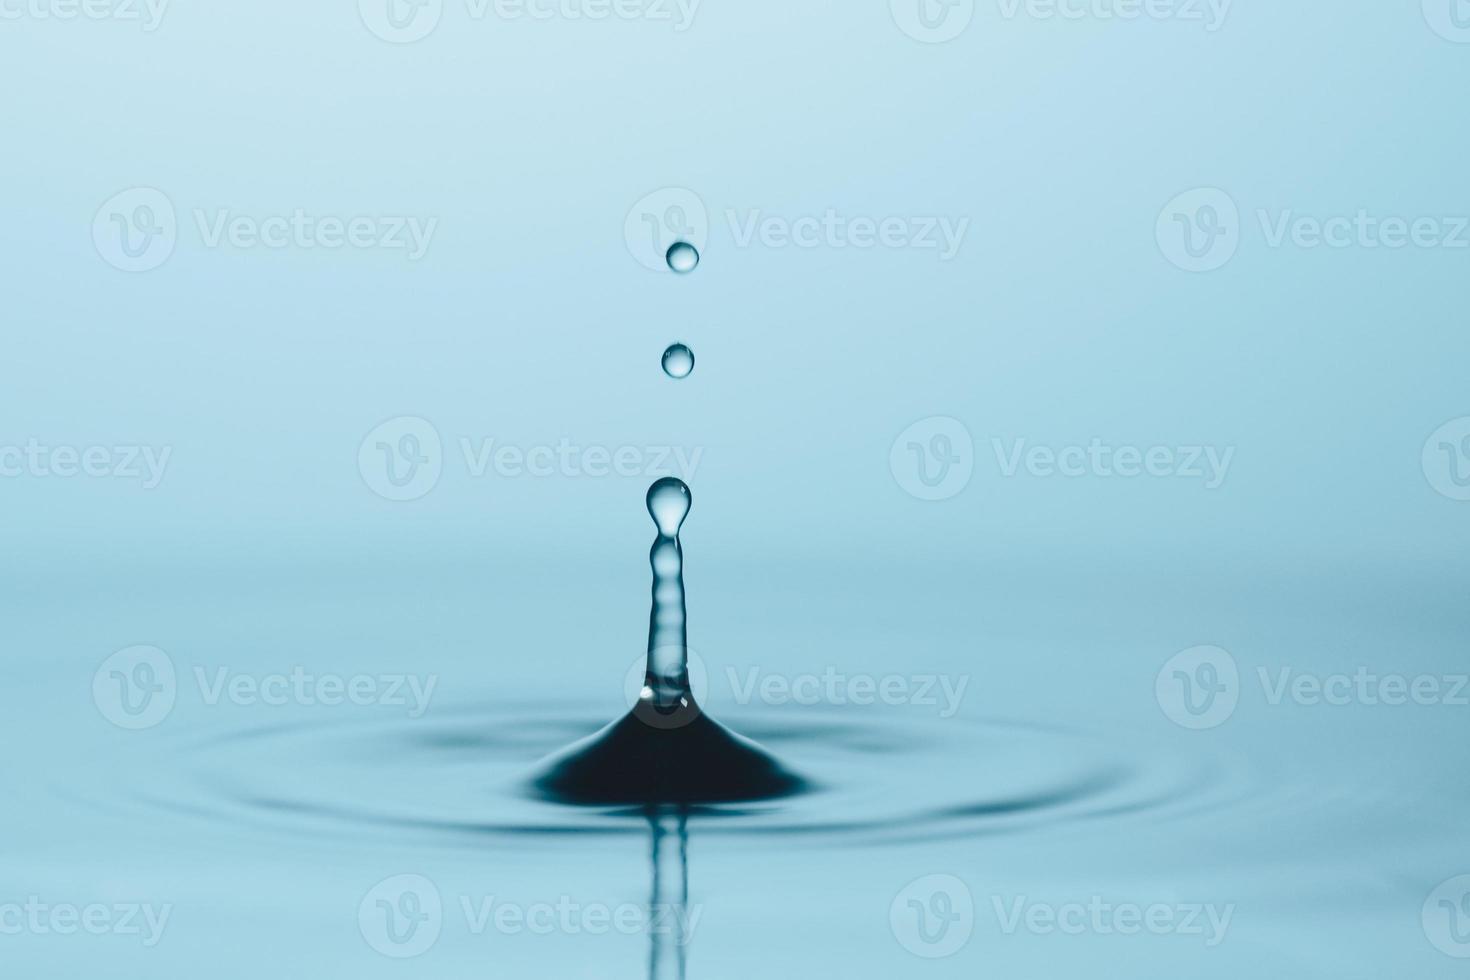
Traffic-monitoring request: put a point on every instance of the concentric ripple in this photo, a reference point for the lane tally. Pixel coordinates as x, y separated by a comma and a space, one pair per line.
881, 778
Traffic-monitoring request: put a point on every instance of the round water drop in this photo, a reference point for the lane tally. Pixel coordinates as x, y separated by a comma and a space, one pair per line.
682, 257
668, 505
678, 361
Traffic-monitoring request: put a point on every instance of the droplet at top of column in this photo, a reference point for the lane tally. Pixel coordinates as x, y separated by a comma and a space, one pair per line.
669, 501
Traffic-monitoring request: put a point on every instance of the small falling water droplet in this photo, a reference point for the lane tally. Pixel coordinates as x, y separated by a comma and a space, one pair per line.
682, 257
678, 361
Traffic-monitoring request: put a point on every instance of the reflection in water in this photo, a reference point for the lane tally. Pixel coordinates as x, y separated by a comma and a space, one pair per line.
667, 904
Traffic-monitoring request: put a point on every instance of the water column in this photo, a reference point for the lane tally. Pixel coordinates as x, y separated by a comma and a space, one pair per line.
666, 679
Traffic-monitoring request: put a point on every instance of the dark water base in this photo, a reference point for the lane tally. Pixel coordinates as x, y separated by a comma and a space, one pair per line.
655, 757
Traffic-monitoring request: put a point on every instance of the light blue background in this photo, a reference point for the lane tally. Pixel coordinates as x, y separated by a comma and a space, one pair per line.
528, 321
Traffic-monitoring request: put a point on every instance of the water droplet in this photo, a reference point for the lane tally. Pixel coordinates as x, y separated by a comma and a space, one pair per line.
678, 361
668, 505
682, 257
